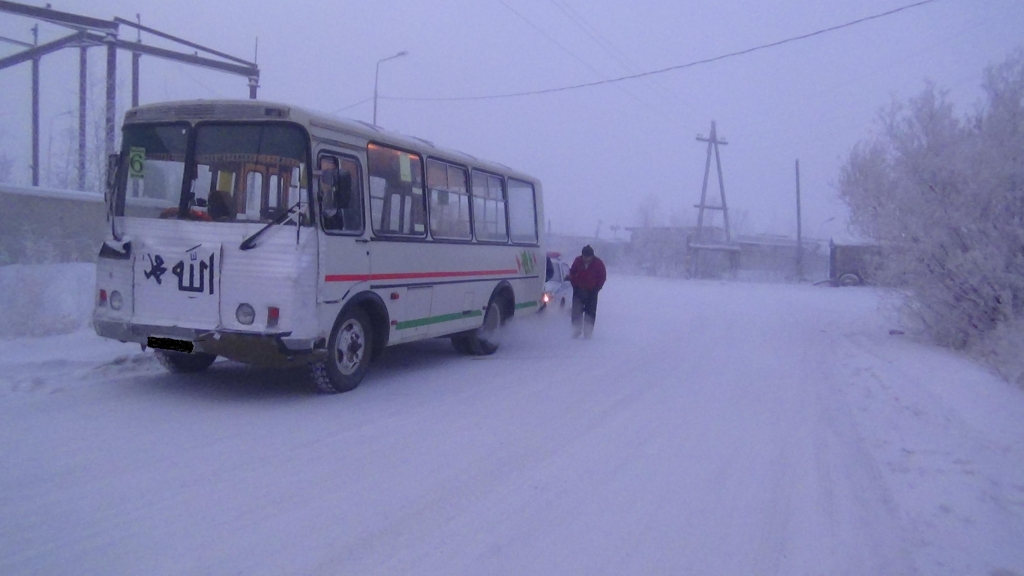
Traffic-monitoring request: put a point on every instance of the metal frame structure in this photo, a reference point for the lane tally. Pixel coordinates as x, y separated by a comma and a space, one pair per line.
703, 243
93, 32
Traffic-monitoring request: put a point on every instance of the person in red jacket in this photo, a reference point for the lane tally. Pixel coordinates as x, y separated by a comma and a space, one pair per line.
587, 276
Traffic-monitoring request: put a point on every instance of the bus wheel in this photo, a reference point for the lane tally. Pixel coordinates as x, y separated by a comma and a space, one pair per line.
348, 354
181, 363
486, 339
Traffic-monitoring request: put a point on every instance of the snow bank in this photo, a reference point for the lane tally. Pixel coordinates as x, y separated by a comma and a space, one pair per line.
46, 299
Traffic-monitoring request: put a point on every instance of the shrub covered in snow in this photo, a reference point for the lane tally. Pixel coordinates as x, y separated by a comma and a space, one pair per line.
944, 196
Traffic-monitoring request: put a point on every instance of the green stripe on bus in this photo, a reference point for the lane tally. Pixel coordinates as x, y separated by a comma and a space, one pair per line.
437, 319
522, 305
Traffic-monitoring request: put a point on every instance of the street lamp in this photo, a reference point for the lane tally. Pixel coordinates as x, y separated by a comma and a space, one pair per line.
376, 77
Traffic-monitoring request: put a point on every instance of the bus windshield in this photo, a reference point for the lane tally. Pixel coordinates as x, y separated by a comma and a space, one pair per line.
240, 172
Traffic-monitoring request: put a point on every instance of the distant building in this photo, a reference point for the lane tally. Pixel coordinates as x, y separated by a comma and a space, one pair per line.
672, 251
611, 251
776, 256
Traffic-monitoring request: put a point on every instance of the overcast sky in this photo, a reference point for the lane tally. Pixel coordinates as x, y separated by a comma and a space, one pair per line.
599, 151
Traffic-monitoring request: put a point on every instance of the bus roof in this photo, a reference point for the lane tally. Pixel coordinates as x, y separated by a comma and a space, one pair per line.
264, 110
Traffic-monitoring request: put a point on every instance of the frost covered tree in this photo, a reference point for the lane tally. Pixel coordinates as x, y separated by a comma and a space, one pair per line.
944, 196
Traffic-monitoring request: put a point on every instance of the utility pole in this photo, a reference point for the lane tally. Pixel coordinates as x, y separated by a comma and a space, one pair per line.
111, 109
83, 78
35, 109
376, 78
713, 142
135, 63
799, 229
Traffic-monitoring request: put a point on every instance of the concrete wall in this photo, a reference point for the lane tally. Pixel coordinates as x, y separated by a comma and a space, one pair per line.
42, 225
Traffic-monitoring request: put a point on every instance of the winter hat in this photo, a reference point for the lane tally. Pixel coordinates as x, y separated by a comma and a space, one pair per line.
588, 251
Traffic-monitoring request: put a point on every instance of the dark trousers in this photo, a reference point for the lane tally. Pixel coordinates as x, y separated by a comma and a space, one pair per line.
584, 311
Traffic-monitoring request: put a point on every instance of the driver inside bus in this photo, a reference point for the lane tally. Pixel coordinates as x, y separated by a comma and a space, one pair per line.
220, 206
329, 178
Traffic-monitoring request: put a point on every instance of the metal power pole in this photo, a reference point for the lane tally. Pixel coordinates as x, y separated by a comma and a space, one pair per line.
111, 40
83, 78
800, 239
135, 64
35, 109
254, 81
799, 229
713, 142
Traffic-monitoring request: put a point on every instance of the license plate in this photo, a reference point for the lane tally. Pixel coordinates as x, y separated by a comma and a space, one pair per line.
171, 344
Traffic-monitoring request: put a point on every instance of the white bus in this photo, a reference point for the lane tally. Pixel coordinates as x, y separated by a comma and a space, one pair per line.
271, 235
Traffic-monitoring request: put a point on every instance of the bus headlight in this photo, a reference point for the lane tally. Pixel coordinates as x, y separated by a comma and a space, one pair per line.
116, 300
245, 314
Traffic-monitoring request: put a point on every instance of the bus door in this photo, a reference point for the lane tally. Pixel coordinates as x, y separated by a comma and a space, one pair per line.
344, 249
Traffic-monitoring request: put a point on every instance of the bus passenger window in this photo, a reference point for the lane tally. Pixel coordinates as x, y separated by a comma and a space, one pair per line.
522, 211
449, 201
397, 204
489, 207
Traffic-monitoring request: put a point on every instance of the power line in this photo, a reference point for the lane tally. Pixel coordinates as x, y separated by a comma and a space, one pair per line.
671, 68
352, 105
596, 36
552, 39
568, 51
602, 41
602, 36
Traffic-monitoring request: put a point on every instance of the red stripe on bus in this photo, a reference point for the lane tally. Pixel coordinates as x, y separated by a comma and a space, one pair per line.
414, 275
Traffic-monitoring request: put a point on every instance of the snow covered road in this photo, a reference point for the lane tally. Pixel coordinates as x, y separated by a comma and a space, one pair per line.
709, 428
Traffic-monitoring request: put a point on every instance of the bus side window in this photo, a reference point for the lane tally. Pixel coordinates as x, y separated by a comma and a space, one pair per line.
522, 211
449, 201
489, 207
397, 202
347, 218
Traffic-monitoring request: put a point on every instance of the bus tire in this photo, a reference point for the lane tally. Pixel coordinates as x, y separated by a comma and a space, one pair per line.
182, 363
348, 354
486, 339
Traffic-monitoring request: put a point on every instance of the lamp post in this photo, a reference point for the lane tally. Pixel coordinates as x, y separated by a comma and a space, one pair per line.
376, 77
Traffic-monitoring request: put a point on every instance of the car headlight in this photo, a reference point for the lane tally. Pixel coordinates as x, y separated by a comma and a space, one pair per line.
116, 300
546, 297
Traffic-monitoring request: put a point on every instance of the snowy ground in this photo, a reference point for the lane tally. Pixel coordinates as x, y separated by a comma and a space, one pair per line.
709, 428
